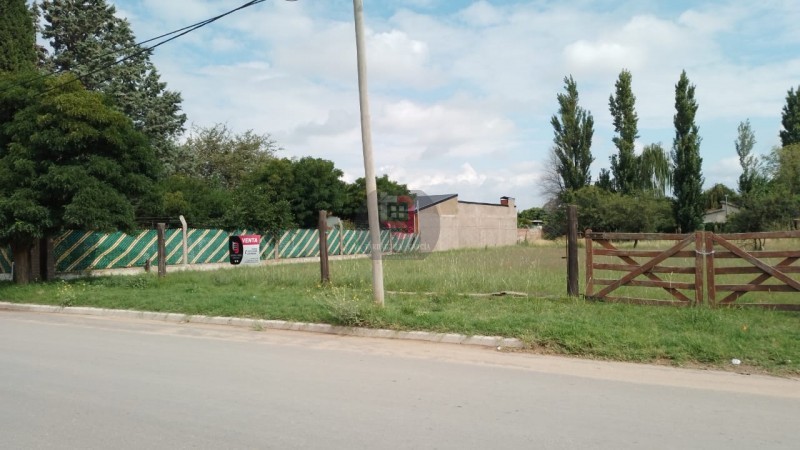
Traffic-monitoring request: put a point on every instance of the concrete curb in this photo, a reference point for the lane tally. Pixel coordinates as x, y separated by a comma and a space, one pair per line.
258, 324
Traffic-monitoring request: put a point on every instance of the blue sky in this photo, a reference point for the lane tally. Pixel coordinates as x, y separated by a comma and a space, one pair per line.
461, 91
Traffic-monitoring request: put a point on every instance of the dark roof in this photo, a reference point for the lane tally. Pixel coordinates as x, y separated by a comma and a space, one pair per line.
426, 201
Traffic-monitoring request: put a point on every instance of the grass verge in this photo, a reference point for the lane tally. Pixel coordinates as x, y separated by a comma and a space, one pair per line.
763, 340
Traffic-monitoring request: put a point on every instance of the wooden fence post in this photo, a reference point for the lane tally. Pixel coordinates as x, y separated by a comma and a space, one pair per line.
162, 250
589, 263
699, 259
322, 226
709, 254
572, 251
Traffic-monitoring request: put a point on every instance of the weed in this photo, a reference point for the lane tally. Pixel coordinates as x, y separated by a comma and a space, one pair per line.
348, 308
66, 294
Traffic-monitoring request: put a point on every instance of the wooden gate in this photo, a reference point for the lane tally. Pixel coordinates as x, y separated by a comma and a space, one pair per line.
646, 265
720, 261
729, 257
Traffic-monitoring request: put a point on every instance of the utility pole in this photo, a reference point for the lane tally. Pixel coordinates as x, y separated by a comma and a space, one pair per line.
369, 165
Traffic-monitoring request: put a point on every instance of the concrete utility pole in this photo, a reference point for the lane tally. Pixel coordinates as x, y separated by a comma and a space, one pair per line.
369, 165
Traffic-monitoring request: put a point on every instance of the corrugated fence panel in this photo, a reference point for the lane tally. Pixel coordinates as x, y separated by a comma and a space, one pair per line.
207, 246
356, 242
77, 249
80, 250
267, 248
299, 244
405, 243
134, 250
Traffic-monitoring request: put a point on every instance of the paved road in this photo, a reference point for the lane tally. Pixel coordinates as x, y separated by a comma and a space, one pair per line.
82, 382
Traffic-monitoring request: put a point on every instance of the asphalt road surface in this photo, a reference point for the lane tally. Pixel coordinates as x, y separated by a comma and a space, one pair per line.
88, 382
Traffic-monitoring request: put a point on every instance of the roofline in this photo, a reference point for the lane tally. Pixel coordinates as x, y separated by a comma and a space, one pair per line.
484, 204
451, 196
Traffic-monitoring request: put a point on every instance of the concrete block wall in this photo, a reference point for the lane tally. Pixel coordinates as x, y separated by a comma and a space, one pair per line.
453, 224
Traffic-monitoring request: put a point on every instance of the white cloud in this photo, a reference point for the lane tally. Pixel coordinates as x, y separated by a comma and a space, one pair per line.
461, 101
583, 55
481, 13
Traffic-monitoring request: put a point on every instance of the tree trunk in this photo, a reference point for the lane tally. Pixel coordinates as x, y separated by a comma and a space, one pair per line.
47, 259
22, 262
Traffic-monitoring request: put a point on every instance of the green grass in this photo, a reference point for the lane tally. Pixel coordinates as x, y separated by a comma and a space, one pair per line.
545, 320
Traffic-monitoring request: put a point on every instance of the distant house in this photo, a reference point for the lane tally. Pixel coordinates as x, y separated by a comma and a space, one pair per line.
446, 223
721, 214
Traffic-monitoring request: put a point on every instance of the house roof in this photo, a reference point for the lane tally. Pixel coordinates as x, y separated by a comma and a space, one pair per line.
725, 207
426, 201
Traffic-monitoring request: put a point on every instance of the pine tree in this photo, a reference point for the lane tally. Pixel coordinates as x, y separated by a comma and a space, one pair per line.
573, 128
624, 165
87, 39
687, 175
17, 36
73, 163
791, 118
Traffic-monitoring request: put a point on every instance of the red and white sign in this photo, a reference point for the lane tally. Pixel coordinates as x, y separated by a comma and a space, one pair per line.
250, 245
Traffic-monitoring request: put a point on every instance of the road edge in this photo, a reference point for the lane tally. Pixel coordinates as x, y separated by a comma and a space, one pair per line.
265, 324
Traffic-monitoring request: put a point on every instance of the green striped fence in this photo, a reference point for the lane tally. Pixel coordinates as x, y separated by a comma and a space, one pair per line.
77, 251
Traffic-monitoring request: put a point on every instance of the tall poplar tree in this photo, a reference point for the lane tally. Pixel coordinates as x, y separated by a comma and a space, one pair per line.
624, 165
790, 119
687, 175
17, 36
751, 176
87, 39
573, 128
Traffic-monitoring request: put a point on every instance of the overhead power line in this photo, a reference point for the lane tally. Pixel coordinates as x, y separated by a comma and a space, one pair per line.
177, 33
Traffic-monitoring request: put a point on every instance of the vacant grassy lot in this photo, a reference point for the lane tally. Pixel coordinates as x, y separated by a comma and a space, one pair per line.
428, 294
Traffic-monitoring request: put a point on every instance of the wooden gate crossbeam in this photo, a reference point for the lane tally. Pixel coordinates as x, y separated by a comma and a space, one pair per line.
653, 277
644, 268
769, 271
733, 296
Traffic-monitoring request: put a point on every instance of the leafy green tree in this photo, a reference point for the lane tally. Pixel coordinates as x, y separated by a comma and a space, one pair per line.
318, 185
770, 210
752, 174
355, 204
87, 38
784, 165
624, 165
308, 184
655, 170
604, 181
216, 154
17, 36
790, 119
259, 208
525, 217
204, 204
715, 195
573, 128
67, 161
687, 175
601, 210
